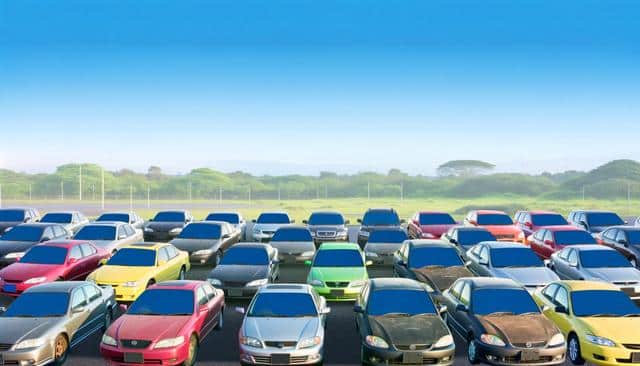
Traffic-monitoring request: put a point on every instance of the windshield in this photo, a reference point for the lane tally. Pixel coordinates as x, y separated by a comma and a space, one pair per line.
11, 215
163, 302
57, 218
434, 256
23, 233
29, 304
273, 218
283, 305
514, 257
603, 259
414, 302
326, 219
494, 219
633, 236
602, 302
133, 257
338, 258
245, 256
200, 231
387, 236
436, 219
292, 235
548, 219
381, 218
170, 216
473, 237
603, 219
114, 217
573, 237
511, 301
96, 232
225, 217
43, 254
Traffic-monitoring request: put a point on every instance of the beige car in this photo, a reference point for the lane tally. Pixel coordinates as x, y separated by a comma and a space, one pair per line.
41, 325
109, 236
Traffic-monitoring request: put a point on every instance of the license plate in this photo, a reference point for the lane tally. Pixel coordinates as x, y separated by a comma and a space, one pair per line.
412, 357
337, 293
10, 288
280, 358
529, 355
635, 357
133, 357
234, 292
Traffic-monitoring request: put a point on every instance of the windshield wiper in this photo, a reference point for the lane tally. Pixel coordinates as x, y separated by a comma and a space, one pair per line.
632, 315
500, 313
603, 315
397, 314
530, 313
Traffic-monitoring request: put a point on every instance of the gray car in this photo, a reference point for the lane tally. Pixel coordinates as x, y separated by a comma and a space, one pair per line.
234, 218
130, 218
10, 217
510, 260
597, 263
15, 242
109, 236
206, 241
383, 244
327, 226
267, 224
71, 220
166, 225
283, 325
35, 334
295, 244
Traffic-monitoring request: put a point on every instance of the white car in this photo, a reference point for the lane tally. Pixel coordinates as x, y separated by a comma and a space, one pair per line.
268, 223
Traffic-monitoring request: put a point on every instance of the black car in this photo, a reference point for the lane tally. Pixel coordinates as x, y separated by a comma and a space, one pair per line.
166, 225
399, 323
20, 238
10, 217
245, 268
327, 226
626, 240
206, 241
501, 323
430, 261
464, 237
376, 219
595, 221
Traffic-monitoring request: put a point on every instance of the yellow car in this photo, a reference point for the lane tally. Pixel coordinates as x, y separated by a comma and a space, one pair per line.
600, 322
135, 267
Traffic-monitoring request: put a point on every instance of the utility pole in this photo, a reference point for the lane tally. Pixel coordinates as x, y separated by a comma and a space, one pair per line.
148, 196
130, 197
220, 197
61, 190
80, 184
102, 190
368, 191
29, 191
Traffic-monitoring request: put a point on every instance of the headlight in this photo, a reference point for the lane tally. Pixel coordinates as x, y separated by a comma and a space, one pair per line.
251, 342
371, 254
364, 233
130, 284
309, 342
377, 342
109, 341
176, 230
317, 283
313, 233
30, 343
14, 255
170, 342
7, 229
256, 230
491, 339
148, 229
256, 283
556, 340
308, 254
445, 341
203, 252
215, 282
35, 280
358, 283
600, 341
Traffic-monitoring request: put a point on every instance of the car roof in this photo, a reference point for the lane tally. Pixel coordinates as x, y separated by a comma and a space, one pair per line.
394, 228
431, 243
61, 212
40, 224
563, 228
493, 282
432, 212
286, 288
593, 211
117, 212
503, 244
58, 286
146, 245
208, 223
381, 209
63, 243
292, 228
178, 285
483, 212
588, 285
625, 228
470, 228
16, 209
540, 212
274, 212
105, 223
333, 246
396, 283
591, 247
224, 212
264, 246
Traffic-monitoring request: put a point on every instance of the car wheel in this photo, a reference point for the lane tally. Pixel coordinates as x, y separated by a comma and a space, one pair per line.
472, 352
151, 283
363, 360
220, 320
107, 320
573, 350
60, 350
216, 258
193, 351
181, 275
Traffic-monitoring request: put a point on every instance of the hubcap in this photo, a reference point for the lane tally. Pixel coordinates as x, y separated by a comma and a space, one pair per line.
192, 350
472, 350
182, 274
61, 347
573, 349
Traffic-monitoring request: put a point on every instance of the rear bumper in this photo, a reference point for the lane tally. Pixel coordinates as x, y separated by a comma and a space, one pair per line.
239, 292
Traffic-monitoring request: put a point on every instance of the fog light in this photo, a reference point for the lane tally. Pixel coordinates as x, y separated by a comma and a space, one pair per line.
315, 357
374, 359
491, 357
445, 359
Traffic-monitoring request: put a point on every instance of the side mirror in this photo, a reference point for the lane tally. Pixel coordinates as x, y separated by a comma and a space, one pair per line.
368, 263
442, 309
358, 309
203, 308
453, 241
78, 310
573, 264
528, 224
583, 224
483, 263
151, 219
103, 262
561, 309
161, 262
46, 238
622, 242
225, 236
402, 263
2, 309
325, 311
347, 222
122, 236
254, 220
461, 307
547, 263
305, 222
548, 242
307, 263
403, 221
473, 222
292, 221
72, 260
359, 221
240, 310
123, 308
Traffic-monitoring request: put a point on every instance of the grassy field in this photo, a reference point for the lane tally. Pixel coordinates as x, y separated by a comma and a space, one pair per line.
351, 208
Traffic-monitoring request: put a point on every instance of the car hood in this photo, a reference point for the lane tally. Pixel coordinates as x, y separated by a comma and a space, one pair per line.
338, 273
293, 247
502, 229
104, 244
520, 329
164, 226
15, 330
118, 274
618, 329
408, 330
19, 272
441, 277
529, 276
10, 246
281, 329
238, 273
148, 327
598, 229
268, 227
436, 230
625, 274
382, 248
191, 245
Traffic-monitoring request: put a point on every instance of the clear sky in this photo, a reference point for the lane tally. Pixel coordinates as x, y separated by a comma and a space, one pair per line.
299, 86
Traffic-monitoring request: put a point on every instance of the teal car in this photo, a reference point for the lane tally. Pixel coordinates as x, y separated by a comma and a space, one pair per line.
338, 271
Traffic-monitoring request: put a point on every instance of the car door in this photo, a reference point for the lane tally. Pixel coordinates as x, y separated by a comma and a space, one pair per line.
74, 262
560, 263
548, 244
215, 302
274, 265
562, 320
451, 299
573, 266
80, 316
206, 316
608, 237
622, 244
536, 242
90, 259
360, 316
483, 262
95, 307
401, 265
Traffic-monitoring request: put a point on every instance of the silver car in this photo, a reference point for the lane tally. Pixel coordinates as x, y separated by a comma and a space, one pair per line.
294, 244
597, 263
283, 325
383, 244
234, 218
327, 226
109, 236
267, 224
130, 218
71, 220
41, 325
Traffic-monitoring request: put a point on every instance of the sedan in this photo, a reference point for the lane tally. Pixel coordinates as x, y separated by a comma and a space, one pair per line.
245, 268
235, 219
377, 219
10, 217
382, 245
547, 241
15, 242
130, 218
510, 260
497, 222
283, 325
502, 324
406, 331
166, 225
624, 239
109, 236
71, 220
34, 334
430, 225
268, 223
166, 325
294, 244
532, 221
206, 241
595, 221
49, 262
464, 237
327, 226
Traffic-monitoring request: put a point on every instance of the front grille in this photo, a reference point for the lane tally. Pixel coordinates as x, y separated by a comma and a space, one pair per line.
293, 360
135, 343
337, 284
632, 346
120, 359
509, 237
266, 232
233, 284
326, 234
516, 359
5, 346
425, 361
281, 344
416, 347
530, 344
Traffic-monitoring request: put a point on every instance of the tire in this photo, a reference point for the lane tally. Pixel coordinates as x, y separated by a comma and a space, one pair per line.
193, 351
362, 358
108, 317
573, 350
220, 324
61, 350
151, 283
472, 352
216, 259
181, 274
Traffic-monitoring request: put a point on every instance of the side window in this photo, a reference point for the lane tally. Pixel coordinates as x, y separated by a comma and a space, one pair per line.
562, 298
201, 296
583, 217
162, 255
539, 235
171, 252
78, 299
571, 216
208, 290
456, 289
484, 254
75, 252
549, 291
573, 257
465, 295
609, 234
405, 253
121, 232
92, 292
564, 254
48, 233
87, 250
475, 251
548, 235
621, 236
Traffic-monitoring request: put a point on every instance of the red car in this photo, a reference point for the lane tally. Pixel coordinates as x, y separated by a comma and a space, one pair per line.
554, 238
68, 260
429, 225
532, 221
497, 223
165, 325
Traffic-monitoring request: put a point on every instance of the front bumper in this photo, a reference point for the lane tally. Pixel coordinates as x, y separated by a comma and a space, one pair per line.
608, 355
168, 356
378, 356
339, 293
330, 238
510, 356
380, 258
42, 355
266, 356
159, 236
262, 237
294, 258
6, 261
200, 258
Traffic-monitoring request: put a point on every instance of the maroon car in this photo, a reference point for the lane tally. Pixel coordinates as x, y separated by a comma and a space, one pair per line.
532, 221
429, 225
554, 238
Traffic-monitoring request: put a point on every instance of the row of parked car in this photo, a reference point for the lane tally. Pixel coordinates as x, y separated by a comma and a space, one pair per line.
484, 279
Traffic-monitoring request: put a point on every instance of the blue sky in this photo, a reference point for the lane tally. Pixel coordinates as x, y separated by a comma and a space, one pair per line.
275, 87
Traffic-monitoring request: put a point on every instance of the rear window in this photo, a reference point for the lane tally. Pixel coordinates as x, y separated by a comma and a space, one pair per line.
473, 237
224, 217
548, 219
200, 231
494, 219
23, 233
515, 258
434, 256
387, 236
273, 218
573, 237
603, 259
96, 232
42, 254
114, 217
292, 235
502, 302
326, 218
436, 219
57, 218
11, 215
245, 256
381, 218
133, 257
604, 219
170, 216
338, 258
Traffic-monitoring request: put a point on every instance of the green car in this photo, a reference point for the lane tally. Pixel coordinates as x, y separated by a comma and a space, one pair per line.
338, 271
